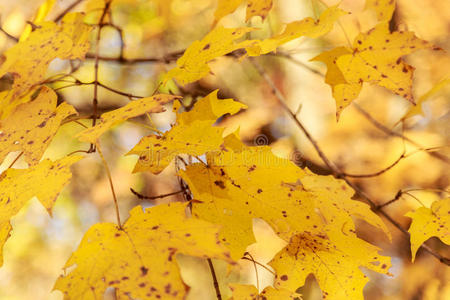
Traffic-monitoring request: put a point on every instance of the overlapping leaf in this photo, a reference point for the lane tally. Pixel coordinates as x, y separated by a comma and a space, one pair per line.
250, 292
139, 260
17, 186
30, 126
429, 222
376, 57
306, 27
334, 258
254, 8
239, 185
193, 65
28, 60
193, 134
133, 109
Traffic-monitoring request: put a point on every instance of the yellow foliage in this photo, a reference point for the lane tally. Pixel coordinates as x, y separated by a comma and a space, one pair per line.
254, 8
376, 57
306, 27
139, 260
429, 222
31, 126
28, 60
383, 8
17, 186
133, 109
193, 134
193, 65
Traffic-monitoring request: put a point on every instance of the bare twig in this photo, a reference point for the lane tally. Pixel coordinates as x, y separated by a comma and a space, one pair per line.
108, 172
10, 36
216, 283
376, 173
15, 160
141, 196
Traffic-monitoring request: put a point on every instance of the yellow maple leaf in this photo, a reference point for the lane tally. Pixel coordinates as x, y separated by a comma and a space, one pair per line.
193, 134
31, 126
193, 65
250, 292
139, 260
333, 258
254, 8
376, 57
343, 92
28, 60
383, 8
17, 186
306, 27
429, 222
133, 109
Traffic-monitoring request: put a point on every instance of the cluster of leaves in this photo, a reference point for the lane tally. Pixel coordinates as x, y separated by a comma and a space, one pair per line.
236, 183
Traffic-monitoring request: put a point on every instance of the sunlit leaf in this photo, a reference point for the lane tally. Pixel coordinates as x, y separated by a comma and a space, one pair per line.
429, 222
306, 27
31, 126
17, 186
383, 8
139, 260
133, 109
28, 60
254, 8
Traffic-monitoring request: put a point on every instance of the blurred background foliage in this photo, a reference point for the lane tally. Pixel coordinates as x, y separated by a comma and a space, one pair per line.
40, 245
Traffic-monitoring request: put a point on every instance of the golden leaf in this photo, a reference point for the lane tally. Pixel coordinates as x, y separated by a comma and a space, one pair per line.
17, 186
31, 126
254, 8
133, 109
383, 8
193, 65
139, 260
28, 60
429, 222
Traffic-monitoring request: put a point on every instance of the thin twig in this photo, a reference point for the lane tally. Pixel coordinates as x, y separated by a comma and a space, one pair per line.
216, 283
141, 196
260, 264
97, 53
10, 36
256, 269
376, 173
393, 133
15, 160
116, 204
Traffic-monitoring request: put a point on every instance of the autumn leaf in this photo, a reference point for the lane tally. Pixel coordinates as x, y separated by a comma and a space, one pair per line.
383, 8
193, 65
133, 109
429, 222
250, 292
139, 260
334, 258
376, 57
254, 8
193, 134
17, 186
238, 186
31, 126
343, 92
28, 60
306, 27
